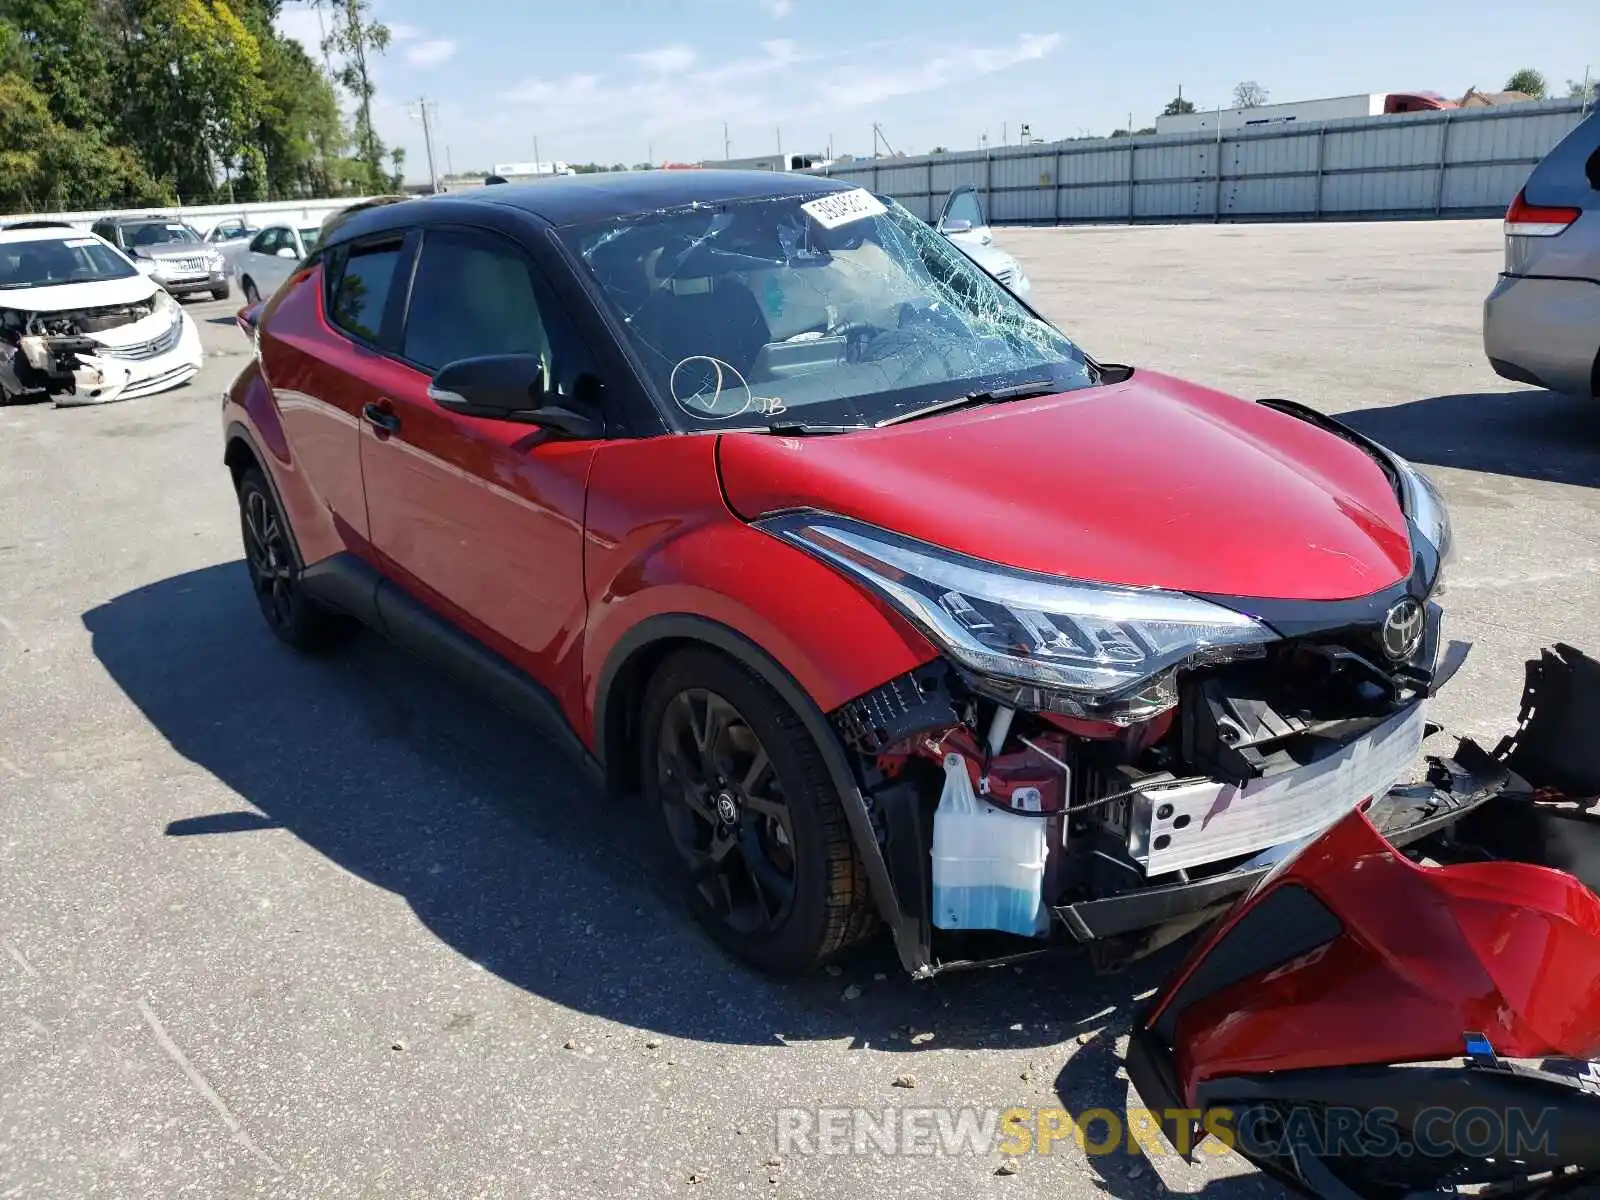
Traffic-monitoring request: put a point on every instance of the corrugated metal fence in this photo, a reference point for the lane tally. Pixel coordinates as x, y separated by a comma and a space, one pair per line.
1455, 162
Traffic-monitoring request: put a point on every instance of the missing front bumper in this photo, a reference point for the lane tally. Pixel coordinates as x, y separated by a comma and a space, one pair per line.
1406, 815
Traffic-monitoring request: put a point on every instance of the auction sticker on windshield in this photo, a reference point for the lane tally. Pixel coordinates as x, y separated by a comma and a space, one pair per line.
840, 208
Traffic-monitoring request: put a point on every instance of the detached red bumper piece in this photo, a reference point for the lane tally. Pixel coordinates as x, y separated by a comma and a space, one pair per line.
1362, 1025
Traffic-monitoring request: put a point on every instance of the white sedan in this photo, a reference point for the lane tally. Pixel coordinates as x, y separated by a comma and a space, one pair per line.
270, 257
81, 324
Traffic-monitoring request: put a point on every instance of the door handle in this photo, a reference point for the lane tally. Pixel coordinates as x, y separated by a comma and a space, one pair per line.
385, 419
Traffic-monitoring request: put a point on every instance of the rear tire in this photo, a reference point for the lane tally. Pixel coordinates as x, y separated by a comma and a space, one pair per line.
221, 293
295, 619
745, 800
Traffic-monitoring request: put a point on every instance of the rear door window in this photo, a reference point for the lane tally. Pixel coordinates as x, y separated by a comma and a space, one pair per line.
360, 294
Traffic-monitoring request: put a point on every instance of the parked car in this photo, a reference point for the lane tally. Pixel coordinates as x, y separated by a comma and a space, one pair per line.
170, 252
894, 603
232, 229
270, 257
1541, 323
966, 223
39, 223
79, 323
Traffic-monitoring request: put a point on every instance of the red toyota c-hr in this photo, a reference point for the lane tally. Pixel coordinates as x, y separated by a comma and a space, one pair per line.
896, 606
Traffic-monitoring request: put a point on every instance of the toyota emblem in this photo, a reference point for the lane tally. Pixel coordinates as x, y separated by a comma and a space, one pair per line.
1402, 629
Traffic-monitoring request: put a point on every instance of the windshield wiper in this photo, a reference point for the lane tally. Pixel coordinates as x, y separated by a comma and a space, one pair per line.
791, 428
1017, 391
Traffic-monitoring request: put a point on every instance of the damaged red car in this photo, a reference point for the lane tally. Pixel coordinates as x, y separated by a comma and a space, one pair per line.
900, 609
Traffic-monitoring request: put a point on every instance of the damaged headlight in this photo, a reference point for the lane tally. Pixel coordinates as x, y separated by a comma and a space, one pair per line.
1034, 641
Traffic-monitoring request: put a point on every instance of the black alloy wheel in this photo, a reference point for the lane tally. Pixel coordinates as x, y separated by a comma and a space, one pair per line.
725, 812
752, 815
269, 557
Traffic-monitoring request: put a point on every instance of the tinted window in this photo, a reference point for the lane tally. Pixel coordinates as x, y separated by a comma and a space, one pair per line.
268, 241
473, 294
964, 206
158, 233
309, 236
363, 289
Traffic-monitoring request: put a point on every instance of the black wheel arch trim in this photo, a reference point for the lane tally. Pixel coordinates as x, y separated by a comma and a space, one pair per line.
686, 627
238, 432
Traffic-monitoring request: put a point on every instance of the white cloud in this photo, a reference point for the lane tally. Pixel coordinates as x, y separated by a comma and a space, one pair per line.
431, 52
399, 31
667, 60
663, 95
778, 9
572, 89
855, 87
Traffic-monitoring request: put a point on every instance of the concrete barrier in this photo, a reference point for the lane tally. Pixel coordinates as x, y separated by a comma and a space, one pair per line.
204, 217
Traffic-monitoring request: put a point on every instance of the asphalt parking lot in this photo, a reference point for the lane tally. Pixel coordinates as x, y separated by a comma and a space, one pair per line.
276, 927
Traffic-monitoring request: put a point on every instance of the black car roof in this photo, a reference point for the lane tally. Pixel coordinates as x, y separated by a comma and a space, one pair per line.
601, 196
607, 195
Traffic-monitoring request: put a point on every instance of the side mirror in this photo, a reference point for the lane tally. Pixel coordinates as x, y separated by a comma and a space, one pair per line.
957, 225
508, 387
288, 252
248, 318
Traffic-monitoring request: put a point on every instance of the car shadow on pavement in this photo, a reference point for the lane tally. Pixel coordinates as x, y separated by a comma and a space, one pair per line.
505, 849
1529, 433
1128, 1160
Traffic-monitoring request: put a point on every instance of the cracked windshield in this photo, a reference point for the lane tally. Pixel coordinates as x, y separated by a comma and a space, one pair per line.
840, 310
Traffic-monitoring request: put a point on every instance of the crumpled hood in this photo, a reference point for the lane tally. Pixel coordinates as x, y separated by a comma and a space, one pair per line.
62, 296
1150, 482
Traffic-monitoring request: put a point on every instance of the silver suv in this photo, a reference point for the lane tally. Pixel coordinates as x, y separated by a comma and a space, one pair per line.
1541, 324
170, 252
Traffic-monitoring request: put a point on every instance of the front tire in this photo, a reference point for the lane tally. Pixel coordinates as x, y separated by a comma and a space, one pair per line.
294, 618
252, 295
747, 804
221, 293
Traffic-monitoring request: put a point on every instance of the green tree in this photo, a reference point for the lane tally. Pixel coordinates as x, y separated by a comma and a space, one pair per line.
192, 72
1579, 89
1529, 82
299, 129
71, 46
46, 166
1177, 107
356, 38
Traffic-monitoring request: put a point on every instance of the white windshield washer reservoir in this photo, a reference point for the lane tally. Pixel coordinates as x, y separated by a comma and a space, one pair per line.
988, 864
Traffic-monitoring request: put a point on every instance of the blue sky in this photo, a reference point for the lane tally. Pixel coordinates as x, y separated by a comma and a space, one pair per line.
620, 80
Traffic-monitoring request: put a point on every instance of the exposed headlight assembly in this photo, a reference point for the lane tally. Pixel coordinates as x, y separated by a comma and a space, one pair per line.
1426, 508
1034, 641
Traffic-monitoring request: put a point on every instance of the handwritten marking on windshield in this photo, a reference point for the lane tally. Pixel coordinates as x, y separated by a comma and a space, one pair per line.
710, 378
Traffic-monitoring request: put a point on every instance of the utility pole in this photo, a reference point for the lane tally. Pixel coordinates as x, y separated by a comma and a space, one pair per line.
1005, 134
780, 147
449, 163
427, 141
726, 155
